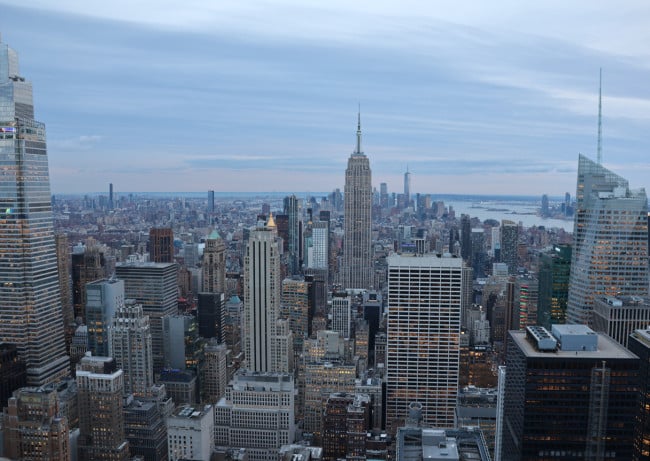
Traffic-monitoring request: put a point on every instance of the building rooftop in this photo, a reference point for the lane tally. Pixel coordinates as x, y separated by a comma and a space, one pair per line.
607, 348
427, 260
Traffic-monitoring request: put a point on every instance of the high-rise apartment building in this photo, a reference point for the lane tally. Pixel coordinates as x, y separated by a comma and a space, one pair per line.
161, 244
262, 299
214, 264
569, 394
103, 299
101, 420
610, 240
33, 428
357, 267
155, 287
210, 201
130, 346
423, 328
30, 299
509, 242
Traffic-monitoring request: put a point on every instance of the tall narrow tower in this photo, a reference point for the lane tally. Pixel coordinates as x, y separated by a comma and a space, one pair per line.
214, 264
261, 298
407, 187
30, 304
357, 257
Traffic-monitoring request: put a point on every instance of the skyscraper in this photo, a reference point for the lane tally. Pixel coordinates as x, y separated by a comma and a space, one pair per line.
423, 350
553, 273
291, 210
155, 287
214, 264
104, 297
610, 240
357, 245
261, 298
161, 244
571, 394
130, 346
407, 187
509, 242
30, 303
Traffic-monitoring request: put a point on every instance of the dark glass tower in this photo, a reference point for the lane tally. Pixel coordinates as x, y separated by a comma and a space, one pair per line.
30, 304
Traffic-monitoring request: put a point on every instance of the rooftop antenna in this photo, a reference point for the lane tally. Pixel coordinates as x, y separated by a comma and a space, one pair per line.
358, 151
600, 118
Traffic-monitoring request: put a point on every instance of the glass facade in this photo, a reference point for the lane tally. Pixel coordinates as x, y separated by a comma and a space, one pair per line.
30, 305
610, 240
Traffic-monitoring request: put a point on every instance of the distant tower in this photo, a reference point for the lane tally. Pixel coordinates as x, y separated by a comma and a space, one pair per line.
214, 264
88, 265
610, 240
357, 255
509, 243
600, 117
423, 353
465, 238
30, 302
210, 201
407, 187
65, 285
291, 210
111, 198
161, 244
130, 346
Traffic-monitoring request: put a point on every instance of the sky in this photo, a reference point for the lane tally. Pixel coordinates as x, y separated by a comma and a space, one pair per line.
495, 97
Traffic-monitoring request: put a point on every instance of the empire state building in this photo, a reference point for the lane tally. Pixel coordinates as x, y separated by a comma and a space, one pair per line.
357, 244
30, 304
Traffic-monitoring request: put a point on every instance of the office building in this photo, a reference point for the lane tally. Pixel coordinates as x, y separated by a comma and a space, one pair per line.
341, 313
100, 386
509, 242
13, 374
610, 241
64, 268
639, 344
33, 428
619, 316
295, 308
257, 414
30, 312
103, 299
211, 315
154, 286
553, 274
346, 421
88, 265
214, 264
190, 433
130, 346
477, 408
357, 267
181, 385
465, 238
569, 393
423, 329
161, 244
214, 373
183, 348
407, 187
262, 301
415, 443
145, 428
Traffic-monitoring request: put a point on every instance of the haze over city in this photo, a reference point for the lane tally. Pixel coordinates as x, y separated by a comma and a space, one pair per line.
482, 98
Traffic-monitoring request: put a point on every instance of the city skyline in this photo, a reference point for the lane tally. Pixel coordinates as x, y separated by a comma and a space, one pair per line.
197, 97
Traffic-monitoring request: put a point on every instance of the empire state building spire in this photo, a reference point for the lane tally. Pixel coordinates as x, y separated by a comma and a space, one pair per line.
358, 149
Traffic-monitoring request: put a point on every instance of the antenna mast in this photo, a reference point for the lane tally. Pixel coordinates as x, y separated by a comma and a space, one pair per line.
600, 118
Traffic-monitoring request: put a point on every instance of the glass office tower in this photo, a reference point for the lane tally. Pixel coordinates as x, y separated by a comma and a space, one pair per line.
30, 305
